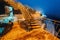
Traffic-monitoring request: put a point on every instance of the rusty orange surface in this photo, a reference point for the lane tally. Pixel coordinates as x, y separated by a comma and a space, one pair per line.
18, 33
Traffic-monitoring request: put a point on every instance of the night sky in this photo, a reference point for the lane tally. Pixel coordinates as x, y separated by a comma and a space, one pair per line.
50, 8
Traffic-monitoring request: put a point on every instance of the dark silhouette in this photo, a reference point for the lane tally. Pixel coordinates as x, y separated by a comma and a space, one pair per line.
7, 27
2, 6
57, 29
